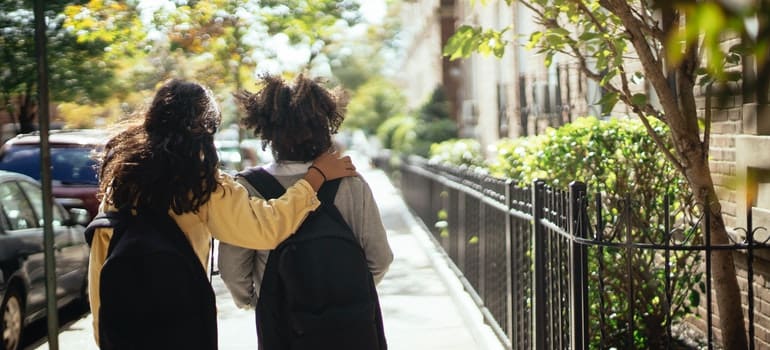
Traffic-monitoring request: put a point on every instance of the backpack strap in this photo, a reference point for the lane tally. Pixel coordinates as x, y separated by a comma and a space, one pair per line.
326, 194
263, 182
100, 220
111, 219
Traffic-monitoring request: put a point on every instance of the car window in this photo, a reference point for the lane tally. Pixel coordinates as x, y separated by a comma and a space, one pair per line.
35, 196
70, 165
17, 210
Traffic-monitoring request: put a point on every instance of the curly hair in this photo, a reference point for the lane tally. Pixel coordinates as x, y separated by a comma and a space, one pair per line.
297, 120
168, 161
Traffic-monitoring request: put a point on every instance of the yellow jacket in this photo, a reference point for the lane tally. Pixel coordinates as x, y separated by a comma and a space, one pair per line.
230, 216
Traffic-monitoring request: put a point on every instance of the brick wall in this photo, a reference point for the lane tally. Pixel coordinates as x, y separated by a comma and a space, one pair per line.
727, 125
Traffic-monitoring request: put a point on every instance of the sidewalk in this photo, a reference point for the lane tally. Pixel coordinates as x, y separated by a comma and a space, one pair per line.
424, 306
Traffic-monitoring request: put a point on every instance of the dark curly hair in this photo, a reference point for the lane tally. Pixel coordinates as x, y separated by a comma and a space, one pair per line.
169, 160
297, 120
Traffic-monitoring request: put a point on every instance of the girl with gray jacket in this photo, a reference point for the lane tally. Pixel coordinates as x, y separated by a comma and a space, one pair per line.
297, 121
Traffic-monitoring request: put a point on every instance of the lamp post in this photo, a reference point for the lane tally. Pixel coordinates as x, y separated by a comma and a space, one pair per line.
45, 176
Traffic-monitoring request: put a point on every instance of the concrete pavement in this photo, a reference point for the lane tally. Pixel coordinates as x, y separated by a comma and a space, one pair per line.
423, 303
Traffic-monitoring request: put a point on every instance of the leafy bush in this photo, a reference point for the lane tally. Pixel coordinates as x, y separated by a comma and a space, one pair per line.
414, 134
386, 130
457, 152
428, 133
616, 158
404, 135
433, 124
374, 102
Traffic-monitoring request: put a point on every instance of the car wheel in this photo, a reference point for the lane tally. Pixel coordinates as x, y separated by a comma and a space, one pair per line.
13, 318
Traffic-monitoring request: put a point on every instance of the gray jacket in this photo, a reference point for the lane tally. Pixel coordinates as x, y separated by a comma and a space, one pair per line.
241, 269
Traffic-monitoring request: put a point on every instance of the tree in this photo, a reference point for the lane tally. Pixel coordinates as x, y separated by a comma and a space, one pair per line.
224, 40
79, 65
372, 103
216, 42
316, 24
669, 40
360, 68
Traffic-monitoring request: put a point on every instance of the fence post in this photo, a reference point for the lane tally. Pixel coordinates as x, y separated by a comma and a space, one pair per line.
509, 262
538, 289
578, 266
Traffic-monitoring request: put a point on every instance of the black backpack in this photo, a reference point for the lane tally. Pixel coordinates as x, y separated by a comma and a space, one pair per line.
154, 291
317, 291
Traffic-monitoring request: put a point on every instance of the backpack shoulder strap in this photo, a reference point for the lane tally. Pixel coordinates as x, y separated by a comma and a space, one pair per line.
326, 194
99, 221
265, 183
111, 219
328, 191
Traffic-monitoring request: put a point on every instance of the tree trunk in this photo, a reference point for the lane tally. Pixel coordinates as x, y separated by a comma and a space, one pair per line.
678, 104
724, 279
26, 114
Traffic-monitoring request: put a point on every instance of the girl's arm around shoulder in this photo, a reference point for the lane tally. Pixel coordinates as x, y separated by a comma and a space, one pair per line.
238, 219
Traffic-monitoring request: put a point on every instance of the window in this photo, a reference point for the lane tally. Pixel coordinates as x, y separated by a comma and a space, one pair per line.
70, 165
16, 208
35, 195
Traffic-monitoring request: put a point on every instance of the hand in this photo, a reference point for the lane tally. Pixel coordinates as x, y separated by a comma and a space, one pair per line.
334, 167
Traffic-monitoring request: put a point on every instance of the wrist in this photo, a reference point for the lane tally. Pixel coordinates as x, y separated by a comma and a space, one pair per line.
315, 179
317, 169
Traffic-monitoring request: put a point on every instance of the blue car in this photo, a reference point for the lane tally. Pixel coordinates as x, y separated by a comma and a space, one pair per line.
22, 258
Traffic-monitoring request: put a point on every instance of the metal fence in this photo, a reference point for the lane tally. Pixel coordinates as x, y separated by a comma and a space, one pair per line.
546, 276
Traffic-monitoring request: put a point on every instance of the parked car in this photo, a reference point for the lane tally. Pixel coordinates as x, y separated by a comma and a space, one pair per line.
22, 257
74, 179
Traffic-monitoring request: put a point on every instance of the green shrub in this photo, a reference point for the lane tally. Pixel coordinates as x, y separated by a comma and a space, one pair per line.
457, 152
372, 103
619, 160
386, 130
404, 135
429, 133
414, 134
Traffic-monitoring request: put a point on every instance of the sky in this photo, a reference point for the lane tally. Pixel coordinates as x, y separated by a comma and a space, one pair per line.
373, 10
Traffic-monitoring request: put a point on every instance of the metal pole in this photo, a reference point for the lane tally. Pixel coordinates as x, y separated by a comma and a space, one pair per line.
45, 176
538, 288
578, 267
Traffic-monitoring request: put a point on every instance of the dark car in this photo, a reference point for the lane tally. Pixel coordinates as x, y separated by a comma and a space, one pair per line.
74, 179
22, 258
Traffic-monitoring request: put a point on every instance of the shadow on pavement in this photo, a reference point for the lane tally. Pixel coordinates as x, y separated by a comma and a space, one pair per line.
36, 333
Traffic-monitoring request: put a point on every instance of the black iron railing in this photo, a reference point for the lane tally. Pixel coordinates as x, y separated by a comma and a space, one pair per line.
547, 275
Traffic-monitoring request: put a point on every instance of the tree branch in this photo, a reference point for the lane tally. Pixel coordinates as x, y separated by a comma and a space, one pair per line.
652, 67
648, 28
533, 9
625, 95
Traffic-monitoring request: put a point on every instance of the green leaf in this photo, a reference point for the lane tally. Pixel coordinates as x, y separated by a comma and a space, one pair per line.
587, 36
459, 44
639, 99
534, 39
548, 58
608, 102
694, 298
